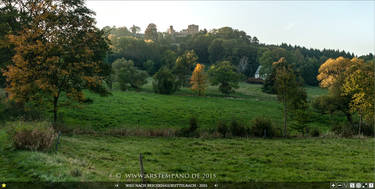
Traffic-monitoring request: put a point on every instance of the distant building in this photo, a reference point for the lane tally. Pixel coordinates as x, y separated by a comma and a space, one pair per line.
192, 29
171, 30
257, 73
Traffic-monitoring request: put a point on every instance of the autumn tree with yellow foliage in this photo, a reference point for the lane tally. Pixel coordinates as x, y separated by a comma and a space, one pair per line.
332, 74
359, 84
351, 86
60, 52
198, 80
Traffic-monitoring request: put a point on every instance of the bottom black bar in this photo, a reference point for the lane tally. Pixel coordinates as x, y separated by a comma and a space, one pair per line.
122, 185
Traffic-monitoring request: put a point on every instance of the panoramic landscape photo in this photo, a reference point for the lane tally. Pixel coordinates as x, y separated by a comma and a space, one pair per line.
191, 92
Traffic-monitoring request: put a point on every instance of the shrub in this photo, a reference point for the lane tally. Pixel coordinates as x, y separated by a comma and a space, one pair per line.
164, 82
237, 129
2, 111
253, 80
324, 104
193, 124
222, 128
32, 136
75, 172
87, 101
191, 131
367, 130
315, 132
343, 129
262, 127
31, 111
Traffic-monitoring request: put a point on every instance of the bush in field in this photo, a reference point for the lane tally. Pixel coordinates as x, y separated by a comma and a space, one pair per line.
2, 110
238, 129
343, 129
253, 80
262, 127
30, 111
315, 132
222, 128
164, 82
324, 104
190, 131
128, 75
368, 130
32, 136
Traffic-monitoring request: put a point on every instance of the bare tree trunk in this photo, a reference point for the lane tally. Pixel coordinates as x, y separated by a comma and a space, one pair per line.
285, 117
349, 117
55, 100
360, 124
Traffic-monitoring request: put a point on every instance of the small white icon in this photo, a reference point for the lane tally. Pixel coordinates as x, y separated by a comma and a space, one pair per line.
358, 185
116, 185
352, 185
371, 185
333, 185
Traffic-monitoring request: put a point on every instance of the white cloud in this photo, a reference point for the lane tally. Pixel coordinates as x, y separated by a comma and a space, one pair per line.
289, 26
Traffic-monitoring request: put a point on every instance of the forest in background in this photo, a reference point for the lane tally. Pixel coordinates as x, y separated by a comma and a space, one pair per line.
152, 50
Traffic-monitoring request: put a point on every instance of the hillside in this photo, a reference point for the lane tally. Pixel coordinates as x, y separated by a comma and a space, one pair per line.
146, 109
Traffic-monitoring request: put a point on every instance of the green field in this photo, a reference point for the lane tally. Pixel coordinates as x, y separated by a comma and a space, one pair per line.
236, 160
107, 158
149, 110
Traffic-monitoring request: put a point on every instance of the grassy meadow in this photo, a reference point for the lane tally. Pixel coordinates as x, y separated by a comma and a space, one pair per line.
89, 158
108, 158
145, 109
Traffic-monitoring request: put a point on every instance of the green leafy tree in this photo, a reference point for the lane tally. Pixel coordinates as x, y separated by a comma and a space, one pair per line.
149, 65
289, 92
270, 56
164, 81
200, 43
59, 52
224, 74
216, 51
269, 69
326, 104
128, 75
299, 109
169, 58
184, 67
255, 40
309, 71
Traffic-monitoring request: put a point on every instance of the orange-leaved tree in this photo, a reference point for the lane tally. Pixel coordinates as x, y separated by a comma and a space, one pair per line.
60, 52
359, 84
332, 74
198, 80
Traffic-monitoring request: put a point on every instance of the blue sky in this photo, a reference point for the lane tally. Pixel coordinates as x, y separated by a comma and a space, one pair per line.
344, 25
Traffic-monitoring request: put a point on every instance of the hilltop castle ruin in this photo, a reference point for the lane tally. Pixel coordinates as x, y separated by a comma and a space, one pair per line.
192, 29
